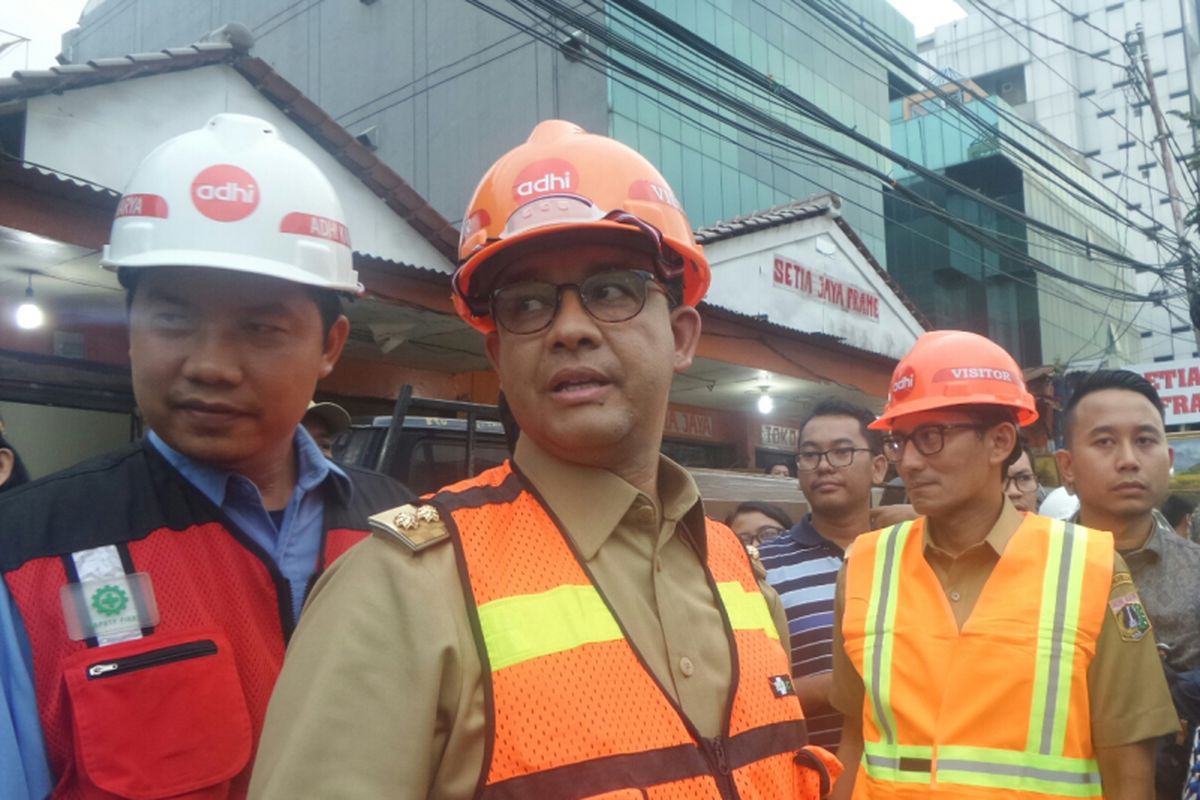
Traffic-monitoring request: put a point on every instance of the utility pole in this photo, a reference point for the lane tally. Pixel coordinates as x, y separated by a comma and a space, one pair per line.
1185, 250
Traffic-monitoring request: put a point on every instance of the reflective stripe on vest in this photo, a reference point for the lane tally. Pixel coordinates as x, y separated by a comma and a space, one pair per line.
572, 709
1041, 767
523, 627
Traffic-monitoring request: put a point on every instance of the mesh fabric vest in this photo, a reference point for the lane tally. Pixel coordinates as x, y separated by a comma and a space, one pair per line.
573, 711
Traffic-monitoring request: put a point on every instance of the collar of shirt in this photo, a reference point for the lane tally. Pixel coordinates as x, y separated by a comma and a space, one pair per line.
998, 536
591, 502
1152, 548
1154, 545
312, 469
806, 536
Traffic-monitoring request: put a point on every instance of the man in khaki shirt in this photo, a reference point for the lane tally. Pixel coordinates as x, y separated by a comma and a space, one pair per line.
953, 438
384, 693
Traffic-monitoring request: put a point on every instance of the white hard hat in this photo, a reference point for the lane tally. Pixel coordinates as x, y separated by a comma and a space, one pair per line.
233, 195
1059, 504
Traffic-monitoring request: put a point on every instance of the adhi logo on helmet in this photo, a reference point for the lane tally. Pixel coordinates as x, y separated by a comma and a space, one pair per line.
904, 383
548, 176
225, 193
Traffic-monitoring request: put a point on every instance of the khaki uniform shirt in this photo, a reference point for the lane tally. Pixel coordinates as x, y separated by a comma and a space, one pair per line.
1129, 696
381, 692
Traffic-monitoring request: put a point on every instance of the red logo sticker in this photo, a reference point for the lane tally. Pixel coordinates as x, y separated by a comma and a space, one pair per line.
654, 192
225, 193
142, 205
903, 383
548, 176
317, 227
477, 221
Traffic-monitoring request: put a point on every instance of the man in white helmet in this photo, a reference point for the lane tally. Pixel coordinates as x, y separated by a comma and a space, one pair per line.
568, 624
148, 594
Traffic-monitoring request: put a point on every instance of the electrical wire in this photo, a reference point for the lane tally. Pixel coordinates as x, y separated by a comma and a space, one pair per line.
837, 17
709, 109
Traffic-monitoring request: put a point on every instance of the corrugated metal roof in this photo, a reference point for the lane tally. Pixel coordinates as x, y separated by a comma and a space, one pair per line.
47, 181
350, 153
773, 217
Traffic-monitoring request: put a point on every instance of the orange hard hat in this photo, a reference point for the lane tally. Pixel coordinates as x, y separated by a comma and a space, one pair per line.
564, 180
956, 368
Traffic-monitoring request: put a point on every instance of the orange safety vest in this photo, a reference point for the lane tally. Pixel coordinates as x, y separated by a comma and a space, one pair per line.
572, 709
999, 709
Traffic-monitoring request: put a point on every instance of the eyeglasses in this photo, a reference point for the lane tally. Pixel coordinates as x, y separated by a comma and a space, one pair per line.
928, 439
611, 296
838, 457
764, 534
1025, 481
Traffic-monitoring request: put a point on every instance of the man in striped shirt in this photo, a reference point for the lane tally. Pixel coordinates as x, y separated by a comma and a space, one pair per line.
839, 461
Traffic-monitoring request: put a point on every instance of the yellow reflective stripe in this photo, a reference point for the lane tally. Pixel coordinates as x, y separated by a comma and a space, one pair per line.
747, 610
1062, 585
527, 626
886, 762
1018, 771
880, 624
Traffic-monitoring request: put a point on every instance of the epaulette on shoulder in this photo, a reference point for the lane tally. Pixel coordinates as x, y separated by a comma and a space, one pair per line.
418, 527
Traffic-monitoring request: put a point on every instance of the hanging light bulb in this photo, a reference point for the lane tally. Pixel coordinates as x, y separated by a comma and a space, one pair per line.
29, 313
766, 404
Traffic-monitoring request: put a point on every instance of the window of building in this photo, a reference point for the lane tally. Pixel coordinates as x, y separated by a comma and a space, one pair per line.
1087, 93
1164, 358
1106, 113
1124, 145
1145, 334
1112, 173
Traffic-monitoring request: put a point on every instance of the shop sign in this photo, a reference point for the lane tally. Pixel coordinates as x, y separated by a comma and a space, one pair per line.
1178, 384
821, 286
778, 437
689, 423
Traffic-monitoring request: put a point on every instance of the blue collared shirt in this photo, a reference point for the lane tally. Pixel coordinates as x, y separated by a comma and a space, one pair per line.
294, 545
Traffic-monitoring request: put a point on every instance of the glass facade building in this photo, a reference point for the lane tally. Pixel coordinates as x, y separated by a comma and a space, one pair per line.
720, 172
1035, 312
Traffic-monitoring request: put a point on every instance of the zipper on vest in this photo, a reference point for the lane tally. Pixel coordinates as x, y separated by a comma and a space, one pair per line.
153, 658
715, 748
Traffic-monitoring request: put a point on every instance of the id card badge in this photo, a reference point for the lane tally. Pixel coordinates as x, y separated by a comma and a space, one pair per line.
109, 609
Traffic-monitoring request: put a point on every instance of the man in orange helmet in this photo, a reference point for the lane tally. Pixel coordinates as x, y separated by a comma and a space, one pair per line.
568, 624
977, 650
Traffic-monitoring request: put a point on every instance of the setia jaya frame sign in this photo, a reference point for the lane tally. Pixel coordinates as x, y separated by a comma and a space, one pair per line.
1178, 384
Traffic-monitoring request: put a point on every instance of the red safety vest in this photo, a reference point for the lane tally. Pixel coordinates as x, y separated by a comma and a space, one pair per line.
572, 710
178, 711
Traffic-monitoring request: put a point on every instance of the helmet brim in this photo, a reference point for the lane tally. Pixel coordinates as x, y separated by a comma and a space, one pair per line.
886, 422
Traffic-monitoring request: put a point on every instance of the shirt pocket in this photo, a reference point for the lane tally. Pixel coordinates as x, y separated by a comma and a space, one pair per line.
159, 716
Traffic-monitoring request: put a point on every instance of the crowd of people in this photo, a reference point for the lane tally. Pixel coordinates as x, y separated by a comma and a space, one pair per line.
570, 624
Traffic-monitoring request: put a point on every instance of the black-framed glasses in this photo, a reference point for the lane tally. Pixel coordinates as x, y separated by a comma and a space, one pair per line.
1024, 481
928, 439
611, 296
838, 457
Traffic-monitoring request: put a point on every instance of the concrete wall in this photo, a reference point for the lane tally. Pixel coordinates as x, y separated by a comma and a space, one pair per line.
101, 134
50, 438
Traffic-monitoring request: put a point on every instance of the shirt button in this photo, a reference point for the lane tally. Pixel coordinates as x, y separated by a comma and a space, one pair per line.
686, 667
955, 596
